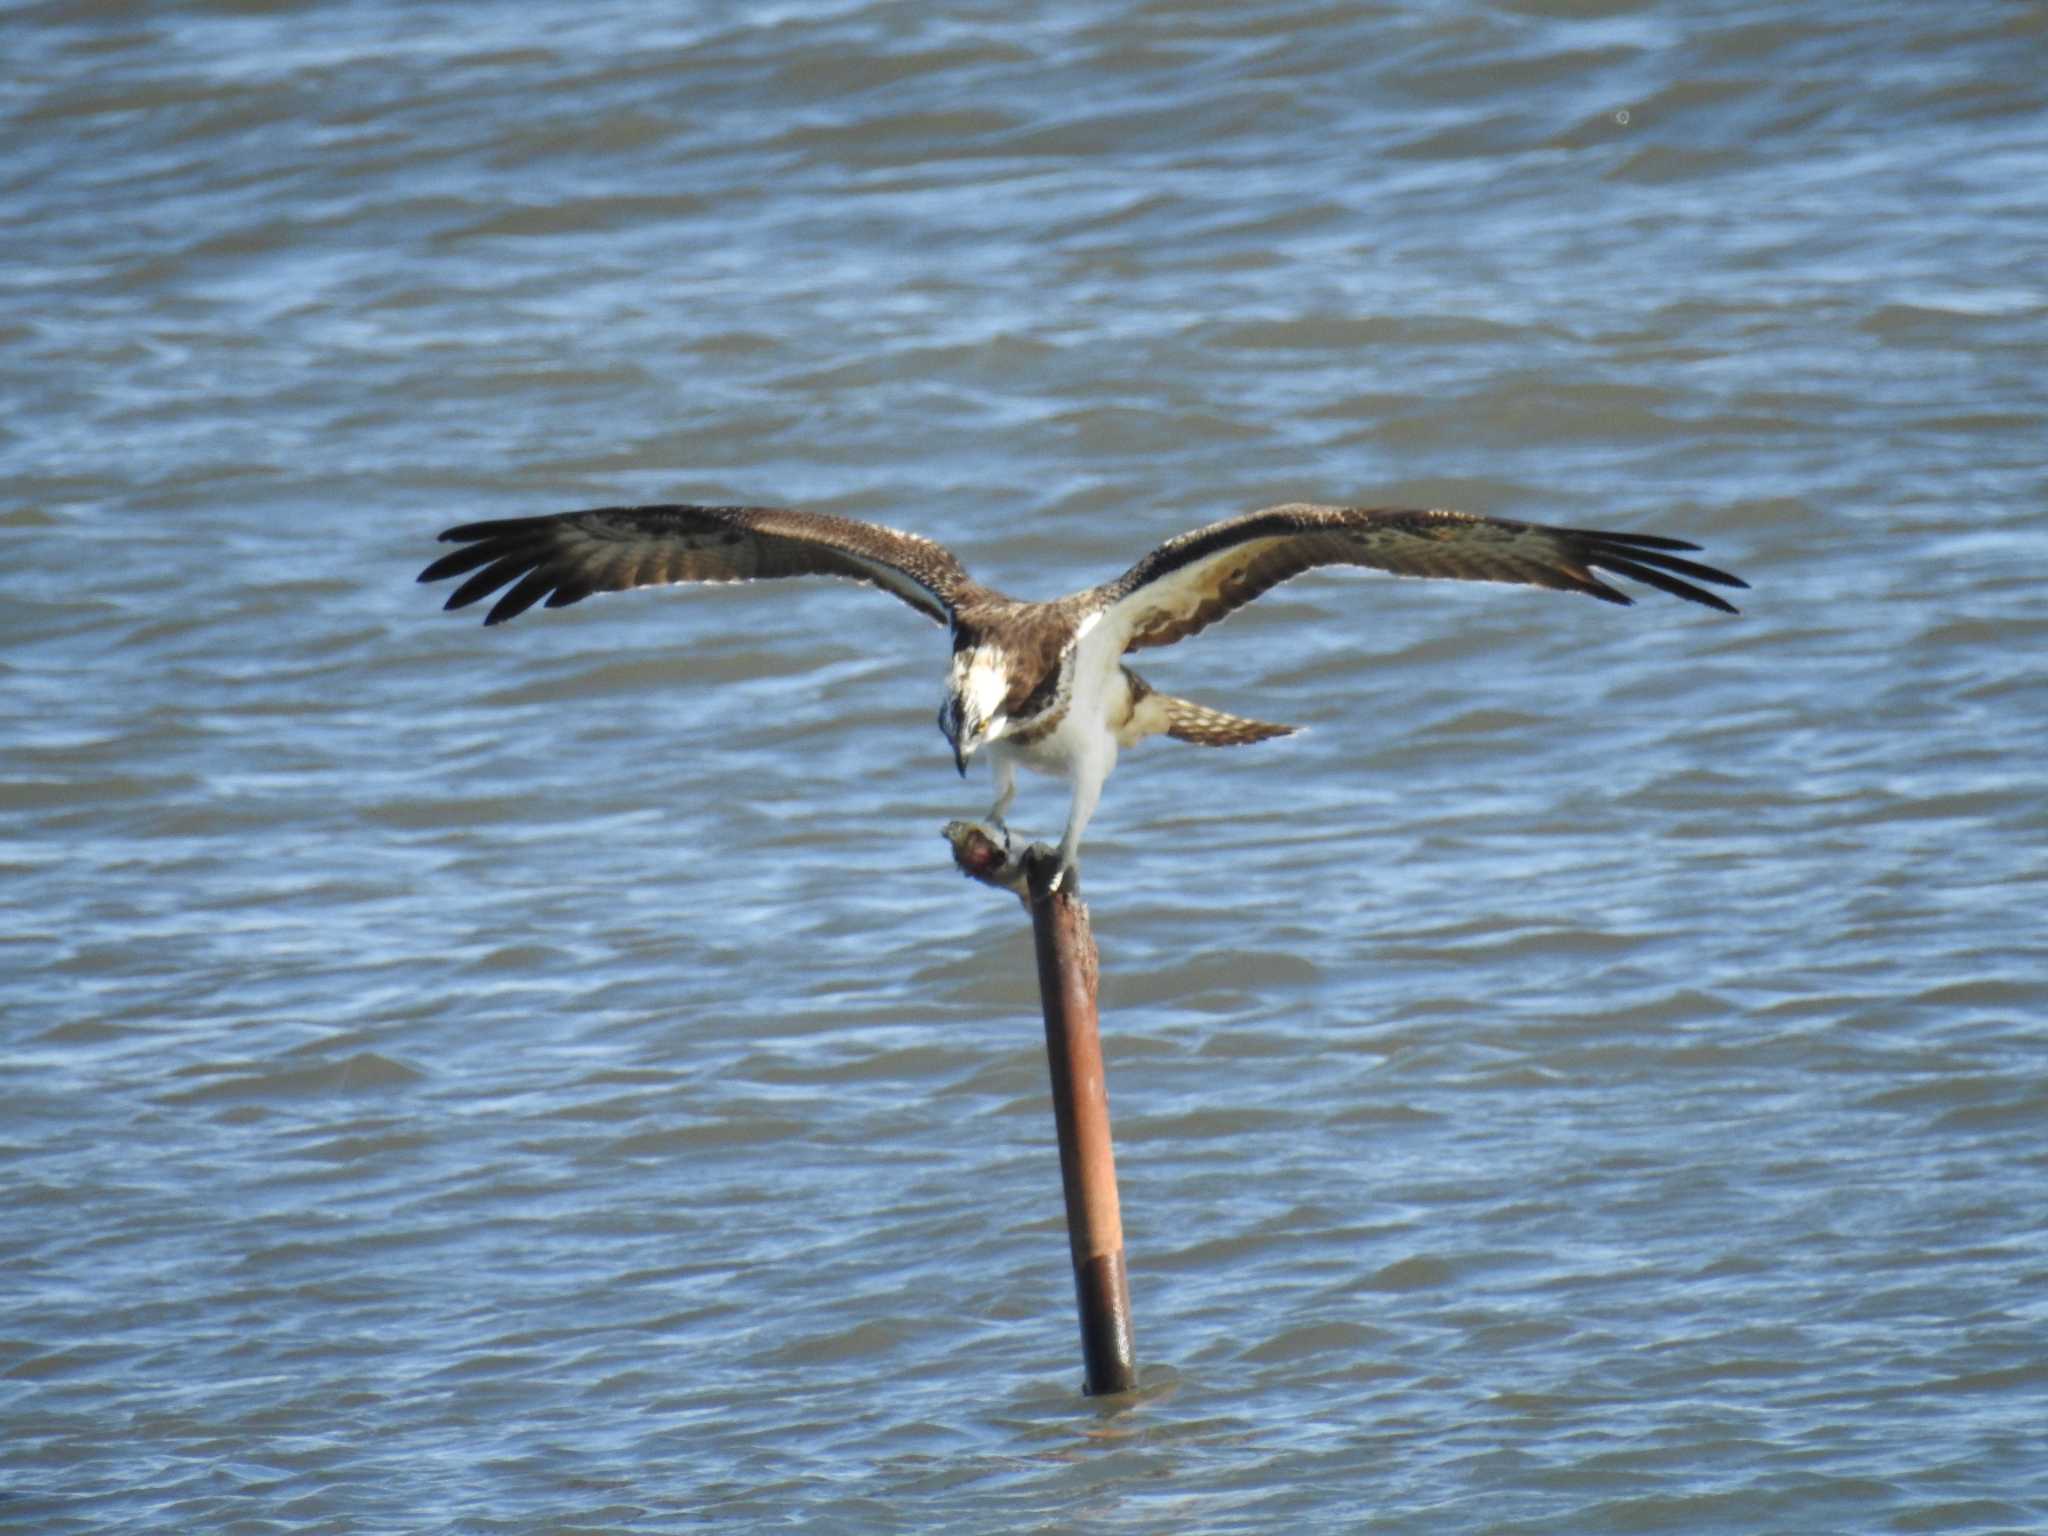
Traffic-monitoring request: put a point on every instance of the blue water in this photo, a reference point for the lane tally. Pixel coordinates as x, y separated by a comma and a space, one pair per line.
552, 1078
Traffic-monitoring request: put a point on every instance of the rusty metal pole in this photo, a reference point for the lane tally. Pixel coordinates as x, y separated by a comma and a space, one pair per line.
1067, 968
1080, 1106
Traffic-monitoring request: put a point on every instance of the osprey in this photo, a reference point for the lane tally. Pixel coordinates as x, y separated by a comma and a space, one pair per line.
1044, 684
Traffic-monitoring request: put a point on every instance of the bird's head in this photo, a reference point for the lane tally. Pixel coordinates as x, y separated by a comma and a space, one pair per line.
971, 714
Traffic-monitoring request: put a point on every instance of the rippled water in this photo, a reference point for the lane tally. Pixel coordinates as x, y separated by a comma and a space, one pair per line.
553, 1079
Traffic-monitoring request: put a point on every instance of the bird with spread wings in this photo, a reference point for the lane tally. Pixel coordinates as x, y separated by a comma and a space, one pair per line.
1044, 684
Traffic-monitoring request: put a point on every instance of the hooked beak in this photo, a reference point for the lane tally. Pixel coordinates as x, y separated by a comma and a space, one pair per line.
950, 723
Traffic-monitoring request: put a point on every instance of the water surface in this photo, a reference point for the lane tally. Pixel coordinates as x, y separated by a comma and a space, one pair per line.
552, 1078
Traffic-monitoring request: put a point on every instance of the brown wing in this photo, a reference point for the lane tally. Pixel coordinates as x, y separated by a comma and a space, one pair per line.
569, 555
1190, 582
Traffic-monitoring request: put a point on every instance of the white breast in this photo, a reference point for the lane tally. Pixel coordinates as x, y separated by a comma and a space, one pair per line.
1081, 745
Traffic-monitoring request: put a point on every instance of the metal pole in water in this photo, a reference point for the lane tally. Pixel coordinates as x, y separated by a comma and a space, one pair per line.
1067, 969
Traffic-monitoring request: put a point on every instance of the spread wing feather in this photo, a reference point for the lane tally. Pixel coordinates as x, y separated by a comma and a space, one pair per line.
1190, 582
565, 557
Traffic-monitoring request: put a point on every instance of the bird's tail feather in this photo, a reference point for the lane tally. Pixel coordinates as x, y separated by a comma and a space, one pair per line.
1189, 721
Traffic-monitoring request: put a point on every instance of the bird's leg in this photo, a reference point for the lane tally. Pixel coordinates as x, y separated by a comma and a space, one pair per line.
1006, 790
1088, 780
